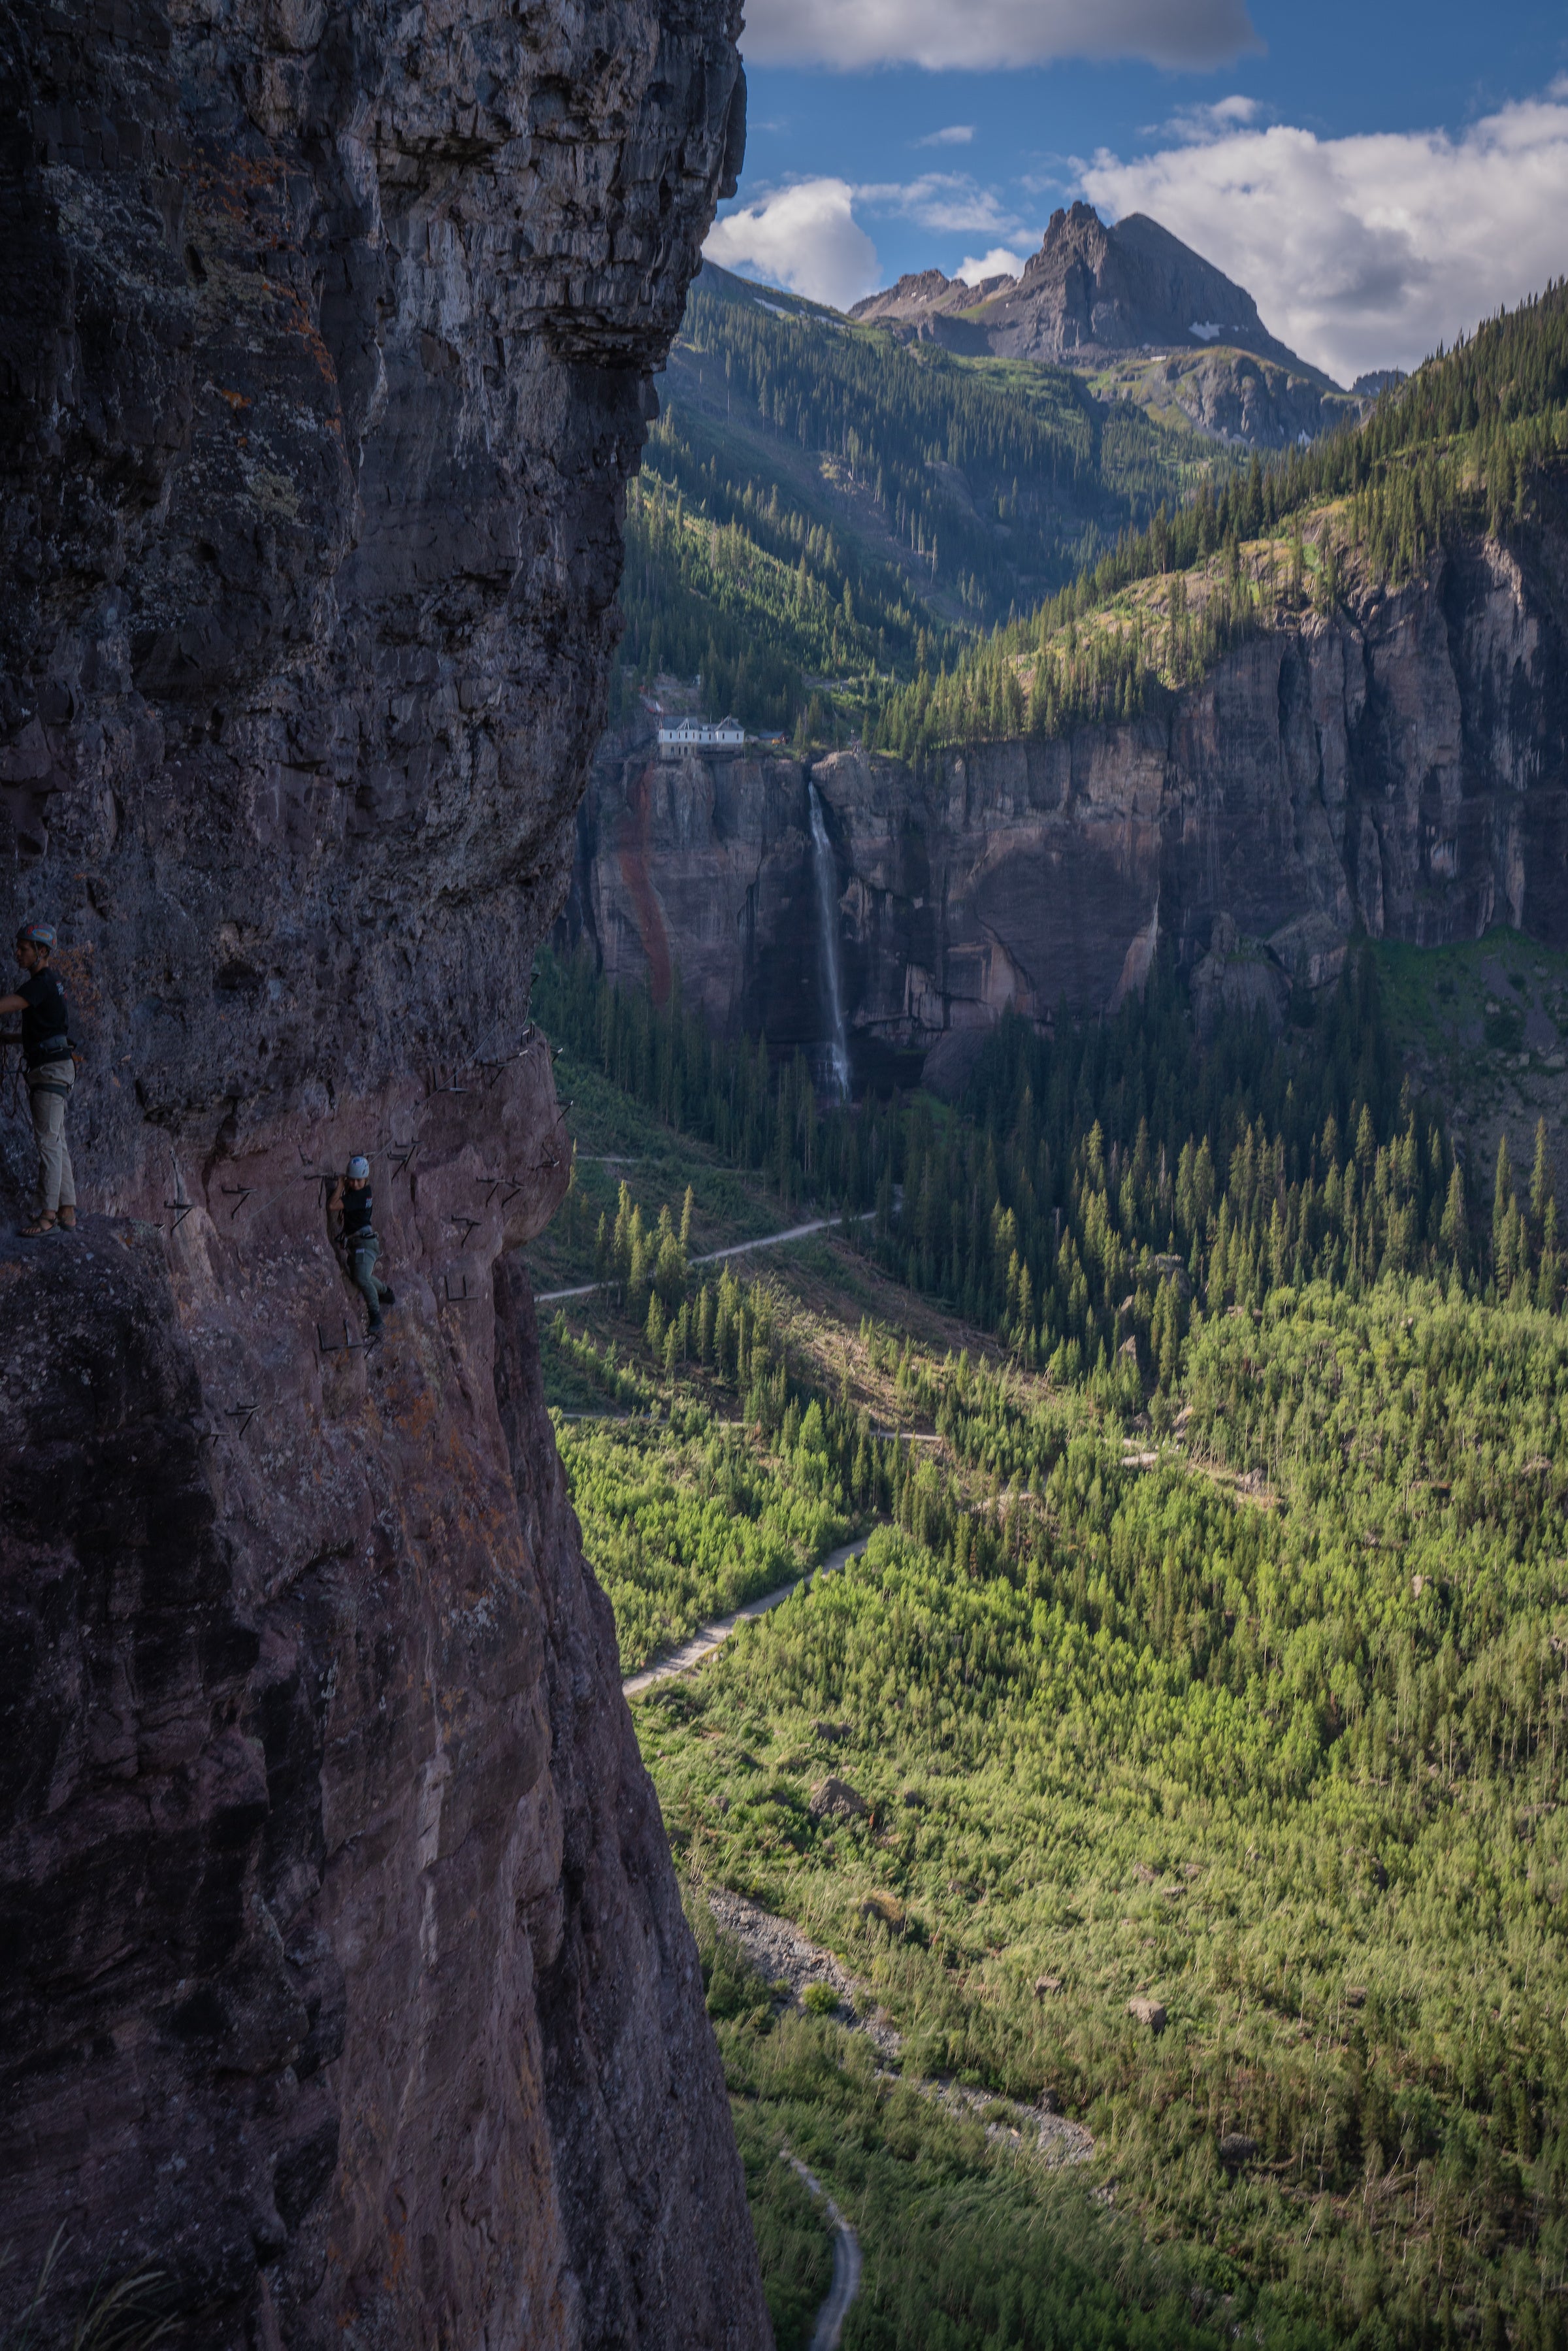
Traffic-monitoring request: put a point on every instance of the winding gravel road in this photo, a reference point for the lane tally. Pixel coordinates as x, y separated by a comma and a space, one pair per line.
703, 1642
846, 2282
736, 1249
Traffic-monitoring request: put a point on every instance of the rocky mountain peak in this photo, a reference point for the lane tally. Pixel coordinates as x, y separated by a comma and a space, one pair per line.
1097, 288
1075, 228
1092, 293
915, 286
1131, 298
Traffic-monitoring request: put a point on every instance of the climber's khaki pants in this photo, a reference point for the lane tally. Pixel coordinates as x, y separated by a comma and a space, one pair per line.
48, 1090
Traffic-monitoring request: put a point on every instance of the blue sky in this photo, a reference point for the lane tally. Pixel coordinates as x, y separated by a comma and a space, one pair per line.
1377, 175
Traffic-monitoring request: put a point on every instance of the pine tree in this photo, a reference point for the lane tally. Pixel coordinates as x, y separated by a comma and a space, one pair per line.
1365, 1143
1455, 1232
1502, 1202
1542, 1182
1546, 1285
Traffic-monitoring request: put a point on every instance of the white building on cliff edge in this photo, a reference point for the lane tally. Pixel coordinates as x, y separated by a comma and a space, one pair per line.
699, 735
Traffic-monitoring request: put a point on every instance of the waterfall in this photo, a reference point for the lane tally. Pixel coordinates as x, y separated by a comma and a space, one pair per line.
828, 924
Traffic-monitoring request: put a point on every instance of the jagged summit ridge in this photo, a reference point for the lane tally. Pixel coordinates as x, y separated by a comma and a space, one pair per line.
1135, 307
1091, 292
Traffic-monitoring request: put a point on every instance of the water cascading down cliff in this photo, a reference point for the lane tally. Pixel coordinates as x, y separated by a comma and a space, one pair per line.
1398, 768
838, 1042
346, 1986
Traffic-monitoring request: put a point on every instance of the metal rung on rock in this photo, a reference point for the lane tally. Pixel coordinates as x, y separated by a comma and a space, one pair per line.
343, 1346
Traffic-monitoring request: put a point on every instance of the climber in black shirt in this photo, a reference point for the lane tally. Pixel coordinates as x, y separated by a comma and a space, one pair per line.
51, 1074
350, 1200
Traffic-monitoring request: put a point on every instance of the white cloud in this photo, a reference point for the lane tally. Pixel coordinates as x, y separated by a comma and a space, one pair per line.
1366, 251
950, 203
849, 34
1000, 262
1190, 124
956, 134
806, 237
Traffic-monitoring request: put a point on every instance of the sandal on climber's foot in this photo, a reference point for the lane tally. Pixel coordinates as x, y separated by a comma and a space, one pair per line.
373, 1337
66, 1220
39, 1226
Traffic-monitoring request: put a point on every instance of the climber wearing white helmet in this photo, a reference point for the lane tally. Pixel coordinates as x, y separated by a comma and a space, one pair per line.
51, 1073
351, 1203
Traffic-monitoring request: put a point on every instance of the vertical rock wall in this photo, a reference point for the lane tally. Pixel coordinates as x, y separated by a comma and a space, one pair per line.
1400, 769
345, 1983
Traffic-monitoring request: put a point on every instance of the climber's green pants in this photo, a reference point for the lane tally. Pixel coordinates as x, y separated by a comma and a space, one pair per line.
362, 1249
48, 1091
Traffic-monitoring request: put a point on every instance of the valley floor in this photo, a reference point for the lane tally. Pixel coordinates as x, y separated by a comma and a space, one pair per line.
1132, 1883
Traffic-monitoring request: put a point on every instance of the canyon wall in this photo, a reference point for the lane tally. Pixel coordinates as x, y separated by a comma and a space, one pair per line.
345, 1987
1399, 770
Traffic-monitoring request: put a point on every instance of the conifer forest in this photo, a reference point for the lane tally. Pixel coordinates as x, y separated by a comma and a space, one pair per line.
1168, 1772
784, 1149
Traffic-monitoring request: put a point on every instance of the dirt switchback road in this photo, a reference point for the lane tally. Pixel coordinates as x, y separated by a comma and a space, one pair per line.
736, 1249
703, 1643
846, 2282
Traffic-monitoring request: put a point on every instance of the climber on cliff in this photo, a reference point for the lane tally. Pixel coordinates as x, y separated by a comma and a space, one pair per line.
350, 1201
51, 1073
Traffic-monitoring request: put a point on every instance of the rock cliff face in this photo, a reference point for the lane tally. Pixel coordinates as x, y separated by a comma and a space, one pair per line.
1242, 401
346, 1985
1402, 769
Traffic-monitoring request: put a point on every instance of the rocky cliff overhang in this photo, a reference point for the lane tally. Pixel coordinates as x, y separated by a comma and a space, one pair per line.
346, 1985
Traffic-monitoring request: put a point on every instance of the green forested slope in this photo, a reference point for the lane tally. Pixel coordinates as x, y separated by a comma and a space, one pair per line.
824, 512
1213, 1651
1284, 1758
1088, 1187
842, 497
1457, 447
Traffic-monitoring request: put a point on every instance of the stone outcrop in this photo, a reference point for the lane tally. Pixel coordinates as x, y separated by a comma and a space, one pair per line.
346, 1984
703, 864
1244, 401
1400, 769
